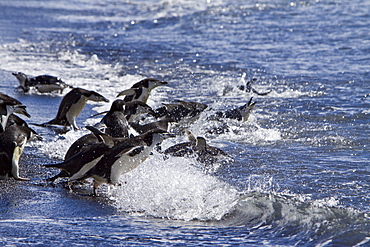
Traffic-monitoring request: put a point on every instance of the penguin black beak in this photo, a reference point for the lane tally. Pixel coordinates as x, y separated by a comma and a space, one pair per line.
21, 109
98, 114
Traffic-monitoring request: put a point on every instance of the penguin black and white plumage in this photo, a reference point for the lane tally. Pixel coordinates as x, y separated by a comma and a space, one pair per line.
71, 106
8, 106
115, 120
122, 158
81, 143
42, 83
12, 142
184, 149
240, 113
248, 88
86, 157
181, 110
140, 91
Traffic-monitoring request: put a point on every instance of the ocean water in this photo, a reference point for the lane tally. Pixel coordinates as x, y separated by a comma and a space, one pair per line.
300, 171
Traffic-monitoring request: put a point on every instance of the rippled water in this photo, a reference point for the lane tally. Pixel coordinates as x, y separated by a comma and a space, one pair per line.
300, 173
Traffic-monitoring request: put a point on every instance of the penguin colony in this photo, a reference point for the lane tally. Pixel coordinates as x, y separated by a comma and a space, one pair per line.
120, 142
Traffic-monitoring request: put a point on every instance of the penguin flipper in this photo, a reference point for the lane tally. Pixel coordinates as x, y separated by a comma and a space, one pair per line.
261, 94
127, 92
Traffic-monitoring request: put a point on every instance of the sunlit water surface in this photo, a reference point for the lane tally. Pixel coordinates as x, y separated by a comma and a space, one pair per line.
299, 174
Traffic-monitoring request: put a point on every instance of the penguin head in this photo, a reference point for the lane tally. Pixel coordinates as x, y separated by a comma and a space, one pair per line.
20, 109
149, 83
94, 96
117, 105
6, 99
201, 144
246, 109
22, 78
153, 83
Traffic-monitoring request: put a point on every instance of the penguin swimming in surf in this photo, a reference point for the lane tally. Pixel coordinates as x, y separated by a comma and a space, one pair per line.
184, 149
71, 106
197, 147
181, 110
240, 113
122, 158
42, 83
208, 154
12, 142
140, 91
8, 106
246, 88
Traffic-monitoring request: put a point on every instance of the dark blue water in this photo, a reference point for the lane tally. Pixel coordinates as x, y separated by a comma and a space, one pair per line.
300, 173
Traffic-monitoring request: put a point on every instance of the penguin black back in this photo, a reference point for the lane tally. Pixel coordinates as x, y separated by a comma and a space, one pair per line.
115, 120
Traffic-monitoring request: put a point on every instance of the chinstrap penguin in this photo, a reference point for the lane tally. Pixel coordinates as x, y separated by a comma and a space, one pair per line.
86, 157
140, 91
240, 113
197, 147
122, 158
181, 110
12, 142
246, 87
71, 106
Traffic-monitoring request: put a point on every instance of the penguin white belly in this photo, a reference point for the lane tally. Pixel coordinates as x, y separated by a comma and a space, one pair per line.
127, 163
144, 95
85, 169
15, 159
47, 88
75, 110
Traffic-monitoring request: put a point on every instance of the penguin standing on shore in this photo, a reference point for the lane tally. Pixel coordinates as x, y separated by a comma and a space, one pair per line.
42, 83
72, 105
140, 91
12, 142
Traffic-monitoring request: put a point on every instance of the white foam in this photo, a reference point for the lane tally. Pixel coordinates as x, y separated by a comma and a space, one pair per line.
174, 189
72, 67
